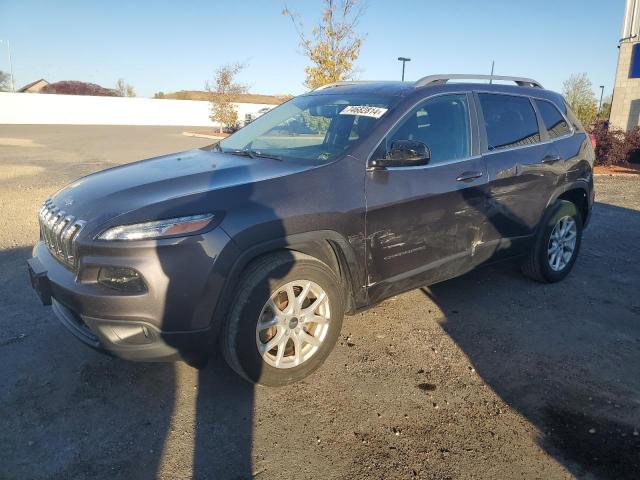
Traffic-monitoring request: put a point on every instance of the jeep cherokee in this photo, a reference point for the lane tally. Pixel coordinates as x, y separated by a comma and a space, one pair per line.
324, 206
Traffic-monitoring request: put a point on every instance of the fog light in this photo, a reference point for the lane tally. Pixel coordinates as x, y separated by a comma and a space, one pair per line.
121, 278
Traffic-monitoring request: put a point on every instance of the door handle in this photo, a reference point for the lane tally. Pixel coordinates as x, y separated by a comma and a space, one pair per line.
551, 159
468, 176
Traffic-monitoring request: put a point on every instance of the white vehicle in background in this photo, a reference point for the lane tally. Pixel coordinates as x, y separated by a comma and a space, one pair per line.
250, 117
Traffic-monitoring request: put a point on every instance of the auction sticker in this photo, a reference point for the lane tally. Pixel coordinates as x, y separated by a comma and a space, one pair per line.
364, 110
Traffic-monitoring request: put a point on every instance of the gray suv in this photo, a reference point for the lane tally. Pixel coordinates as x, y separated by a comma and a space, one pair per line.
259, 244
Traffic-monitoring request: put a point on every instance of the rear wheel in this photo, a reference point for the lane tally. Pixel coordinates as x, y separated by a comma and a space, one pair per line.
284, 321
557, 244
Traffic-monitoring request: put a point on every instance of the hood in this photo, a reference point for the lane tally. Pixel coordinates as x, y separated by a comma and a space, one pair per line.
170, 181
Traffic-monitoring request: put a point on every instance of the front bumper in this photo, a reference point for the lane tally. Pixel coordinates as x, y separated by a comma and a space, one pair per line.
128, 340
172, 320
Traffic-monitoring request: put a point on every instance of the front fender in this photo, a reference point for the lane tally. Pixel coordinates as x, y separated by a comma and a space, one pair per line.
345, 257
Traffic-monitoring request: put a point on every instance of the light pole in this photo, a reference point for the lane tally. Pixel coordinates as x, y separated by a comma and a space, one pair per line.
403, 60
13, 84
601, 95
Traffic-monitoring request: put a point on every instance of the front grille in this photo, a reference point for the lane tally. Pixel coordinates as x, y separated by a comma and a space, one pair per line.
59, 232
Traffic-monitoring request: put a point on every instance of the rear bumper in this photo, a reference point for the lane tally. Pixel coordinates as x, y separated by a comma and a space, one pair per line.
591, 198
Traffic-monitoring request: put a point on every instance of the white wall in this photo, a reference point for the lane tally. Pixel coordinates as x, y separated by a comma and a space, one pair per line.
34, 108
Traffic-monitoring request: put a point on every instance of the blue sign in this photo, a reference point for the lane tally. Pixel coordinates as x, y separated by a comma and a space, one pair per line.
634, 71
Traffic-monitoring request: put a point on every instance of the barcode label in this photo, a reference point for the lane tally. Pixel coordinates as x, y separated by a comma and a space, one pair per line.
364, 110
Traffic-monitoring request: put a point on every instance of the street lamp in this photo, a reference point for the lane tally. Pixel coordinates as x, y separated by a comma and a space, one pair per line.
601, 95
13, 85
403, 60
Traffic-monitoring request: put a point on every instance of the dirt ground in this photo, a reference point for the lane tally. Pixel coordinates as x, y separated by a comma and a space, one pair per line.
630, 169
485, 376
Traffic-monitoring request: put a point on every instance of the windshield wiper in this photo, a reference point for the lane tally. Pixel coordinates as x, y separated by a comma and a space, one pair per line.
247, 152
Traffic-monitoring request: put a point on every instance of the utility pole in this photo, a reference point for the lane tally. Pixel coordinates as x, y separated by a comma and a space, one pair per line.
403, 60
13, 83
601, 95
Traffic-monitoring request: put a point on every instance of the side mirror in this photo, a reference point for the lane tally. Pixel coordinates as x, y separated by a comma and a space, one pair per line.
404, 153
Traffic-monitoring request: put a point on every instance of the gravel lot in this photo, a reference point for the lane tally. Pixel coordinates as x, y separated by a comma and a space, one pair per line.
485, 376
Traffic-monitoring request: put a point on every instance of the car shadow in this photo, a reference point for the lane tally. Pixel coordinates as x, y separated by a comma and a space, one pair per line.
67, 411
565, 356
223, 427
75, 413
70, 412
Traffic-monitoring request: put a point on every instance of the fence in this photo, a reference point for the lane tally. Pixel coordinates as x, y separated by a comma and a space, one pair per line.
33, 108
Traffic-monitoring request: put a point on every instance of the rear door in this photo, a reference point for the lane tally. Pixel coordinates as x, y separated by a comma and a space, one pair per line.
422, 221
561, 133
521, 173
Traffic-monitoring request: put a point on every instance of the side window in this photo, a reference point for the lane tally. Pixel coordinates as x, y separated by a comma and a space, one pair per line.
553, 120
442, 123
510, 121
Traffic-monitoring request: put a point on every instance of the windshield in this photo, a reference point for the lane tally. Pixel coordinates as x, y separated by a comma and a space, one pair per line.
314, 128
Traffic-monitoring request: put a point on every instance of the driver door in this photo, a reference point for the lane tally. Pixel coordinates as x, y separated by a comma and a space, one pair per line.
422, 222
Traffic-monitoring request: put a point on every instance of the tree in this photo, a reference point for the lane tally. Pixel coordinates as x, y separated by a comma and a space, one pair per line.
5, 82
124, 89
578, 92
223, 92
73, 87
333, 45
158, 95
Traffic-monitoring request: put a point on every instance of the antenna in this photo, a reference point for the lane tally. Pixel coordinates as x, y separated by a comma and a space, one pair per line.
493, 64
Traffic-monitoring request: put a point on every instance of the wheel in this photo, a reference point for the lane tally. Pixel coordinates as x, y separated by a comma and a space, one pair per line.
284, 321
557, 244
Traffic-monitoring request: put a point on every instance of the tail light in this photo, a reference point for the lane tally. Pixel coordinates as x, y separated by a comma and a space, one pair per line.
594, 142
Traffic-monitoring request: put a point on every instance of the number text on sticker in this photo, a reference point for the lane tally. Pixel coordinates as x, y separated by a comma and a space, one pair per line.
364, 110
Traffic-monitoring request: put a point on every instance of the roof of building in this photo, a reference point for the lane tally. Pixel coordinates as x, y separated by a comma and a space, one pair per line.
29, 85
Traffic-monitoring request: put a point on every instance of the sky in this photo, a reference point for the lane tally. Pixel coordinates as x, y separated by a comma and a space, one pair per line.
169, 46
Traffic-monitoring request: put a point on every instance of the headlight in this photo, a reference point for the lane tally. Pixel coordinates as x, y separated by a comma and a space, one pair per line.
158, 229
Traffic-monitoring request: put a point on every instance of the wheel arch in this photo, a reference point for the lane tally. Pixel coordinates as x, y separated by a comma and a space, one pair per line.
576, 193
327, 246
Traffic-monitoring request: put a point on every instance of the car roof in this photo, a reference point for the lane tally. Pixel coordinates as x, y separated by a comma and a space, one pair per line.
405, 89
368, 87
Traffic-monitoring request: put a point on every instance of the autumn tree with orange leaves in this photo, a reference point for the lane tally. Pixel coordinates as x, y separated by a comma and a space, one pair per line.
334, 44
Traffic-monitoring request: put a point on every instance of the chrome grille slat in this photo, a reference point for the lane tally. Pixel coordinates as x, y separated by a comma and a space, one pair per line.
50, 223
56, 231
47, 237
59, 232
74, 236
66, 246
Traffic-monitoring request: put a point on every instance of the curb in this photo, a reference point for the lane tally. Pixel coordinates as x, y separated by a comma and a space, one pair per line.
621, 174
202, 135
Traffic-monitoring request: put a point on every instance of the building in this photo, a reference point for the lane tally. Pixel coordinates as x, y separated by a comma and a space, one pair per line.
625, 109
34, 87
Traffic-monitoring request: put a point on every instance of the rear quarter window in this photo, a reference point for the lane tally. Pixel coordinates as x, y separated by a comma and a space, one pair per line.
510, 121
553, 120
572, 118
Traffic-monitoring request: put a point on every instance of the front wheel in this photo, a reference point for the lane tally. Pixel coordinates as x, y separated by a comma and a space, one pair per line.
557, 244
285, 320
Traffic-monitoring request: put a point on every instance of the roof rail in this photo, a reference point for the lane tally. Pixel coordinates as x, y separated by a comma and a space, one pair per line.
442, 79
342, 83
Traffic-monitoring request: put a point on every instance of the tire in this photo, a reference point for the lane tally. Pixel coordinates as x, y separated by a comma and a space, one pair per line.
268, 276
538, 265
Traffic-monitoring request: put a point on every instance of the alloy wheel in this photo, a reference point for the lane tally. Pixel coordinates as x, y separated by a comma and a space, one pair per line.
293, 324
562, 243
